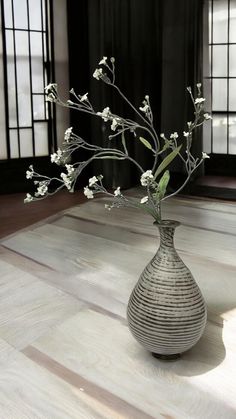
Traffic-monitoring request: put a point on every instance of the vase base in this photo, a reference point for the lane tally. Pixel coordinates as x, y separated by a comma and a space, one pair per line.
171, 357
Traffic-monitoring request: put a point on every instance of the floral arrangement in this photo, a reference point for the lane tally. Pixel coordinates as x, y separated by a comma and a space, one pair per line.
163, 150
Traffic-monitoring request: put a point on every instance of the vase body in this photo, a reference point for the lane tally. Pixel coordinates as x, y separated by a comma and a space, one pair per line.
166, 310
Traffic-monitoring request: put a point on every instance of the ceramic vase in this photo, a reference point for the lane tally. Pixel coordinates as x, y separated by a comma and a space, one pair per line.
166, 311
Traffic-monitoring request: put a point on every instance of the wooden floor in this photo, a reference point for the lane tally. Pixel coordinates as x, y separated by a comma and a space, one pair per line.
65, 349
15, 215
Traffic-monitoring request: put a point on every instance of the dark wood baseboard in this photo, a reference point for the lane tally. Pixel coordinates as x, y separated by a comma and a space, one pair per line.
15, 215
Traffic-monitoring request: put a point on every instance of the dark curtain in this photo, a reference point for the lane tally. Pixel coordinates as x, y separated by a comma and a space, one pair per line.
182, 65
157, 46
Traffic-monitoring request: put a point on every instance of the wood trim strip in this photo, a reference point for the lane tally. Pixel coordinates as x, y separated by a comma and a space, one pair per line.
25, 258
104, 311
94, 391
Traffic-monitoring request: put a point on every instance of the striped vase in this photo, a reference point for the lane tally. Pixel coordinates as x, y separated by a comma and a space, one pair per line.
166, 310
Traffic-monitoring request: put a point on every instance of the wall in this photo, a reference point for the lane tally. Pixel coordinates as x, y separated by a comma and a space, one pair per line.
61, 74
61, 64
3, 148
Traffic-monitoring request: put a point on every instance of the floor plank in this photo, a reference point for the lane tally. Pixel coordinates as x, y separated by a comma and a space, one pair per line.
64, 289
29, 391
30, 307
96, 266
217, 220
96, 394
90, 336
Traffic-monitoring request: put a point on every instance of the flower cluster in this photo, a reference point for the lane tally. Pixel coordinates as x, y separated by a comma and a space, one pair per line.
56, 157
51, 92
68, 134
163, 148
146, 178
95, 186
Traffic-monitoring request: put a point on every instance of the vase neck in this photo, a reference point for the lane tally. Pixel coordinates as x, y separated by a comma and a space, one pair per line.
167, 231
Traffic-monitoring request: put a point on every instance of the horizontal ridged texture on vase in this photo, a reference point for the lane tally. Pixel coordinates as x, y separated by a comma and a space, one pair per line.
166, 310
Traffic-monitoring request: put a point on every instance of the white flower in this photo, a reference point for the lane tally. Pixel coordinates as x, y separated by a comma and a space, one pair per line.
105, 114
69, 102
174, 135
51, 92
51, 98
199, 100
66, 179
112, 59
199, 85
162, 135
186, 134
144, 108
117, 192
51, 87
30, 172
144, 200
189, 124
28, 198
70, 169
93, 180
56, 157
97, 73
205, 155
68, 133
42, 189
207, 116
147, 97
146, 178
103, 61
108, 207
114, 124
84, 97
88, 193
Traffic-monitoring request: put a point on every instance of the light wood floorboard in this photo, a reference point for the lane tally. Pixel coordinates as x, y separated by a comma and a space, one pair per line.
65, 349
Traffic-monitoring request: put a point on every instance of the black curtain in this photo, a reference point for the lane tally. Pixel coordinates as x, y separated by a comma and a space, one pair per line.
157, 45
182, 65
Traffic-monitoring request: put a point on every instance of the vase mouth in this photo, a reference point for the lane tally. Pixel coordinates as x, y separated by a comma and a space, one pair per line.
167, 223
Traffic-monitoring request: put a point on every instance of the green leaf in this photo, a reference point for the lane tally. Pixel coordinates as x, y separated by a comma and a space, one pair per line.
167, 161
146, 143
163, 184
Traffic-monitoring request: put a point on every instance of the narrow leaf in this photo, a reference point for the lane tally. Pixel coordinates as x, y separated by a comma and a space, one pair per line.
167, 161
146, 143
162, 186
